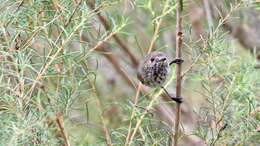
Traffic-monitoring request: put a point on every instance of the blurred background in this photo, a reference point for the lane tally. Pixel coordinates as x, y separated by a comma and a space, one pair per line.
68, 72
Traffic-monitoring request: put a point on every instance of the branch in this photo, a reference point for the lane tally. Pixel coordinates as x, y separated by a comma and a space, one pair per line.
155, 34
107, 26
179, 37
60, 124
73, 13
19, 6
105, 48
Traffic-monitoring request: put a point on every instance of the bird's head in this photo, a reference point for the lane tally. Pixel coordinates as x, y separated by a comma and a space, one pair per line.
156, 58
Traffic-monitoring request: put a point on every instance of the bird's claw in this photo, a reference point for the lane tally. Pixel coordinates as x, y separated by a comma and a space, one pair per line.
177, 61
177, 99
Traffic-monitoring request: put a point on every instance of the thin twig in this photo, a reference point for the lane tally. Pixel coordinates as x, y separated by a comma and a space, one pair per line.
60, 66
107, 26
148, 107
19, 6
219, 132
105, 48
98, 103
60, 124
155, 34
73, 13
105, 39
191, 66
179, 39
46, 66
69, 20
133, 113
99, 106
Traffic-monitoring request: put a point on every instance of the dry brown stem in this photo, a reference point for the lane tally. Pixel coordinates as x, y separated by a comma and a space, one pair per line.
60, 124
179, 40
105, 48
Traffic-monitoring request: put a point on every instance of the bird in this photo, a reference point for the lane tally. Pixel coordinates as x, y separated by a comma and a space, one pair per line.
154, 69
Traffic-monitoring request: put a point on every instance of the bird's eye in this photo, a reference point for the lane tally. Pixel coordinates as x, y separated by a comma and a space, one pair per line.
152, 59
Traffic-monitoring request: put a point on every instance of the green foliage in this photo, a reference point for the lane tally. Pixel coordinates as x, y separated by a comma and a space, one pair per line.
230, 84
51, 64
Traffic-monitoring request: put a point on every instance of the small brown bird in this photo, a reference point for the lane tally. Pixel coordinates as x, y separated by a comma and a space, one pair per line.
154, 70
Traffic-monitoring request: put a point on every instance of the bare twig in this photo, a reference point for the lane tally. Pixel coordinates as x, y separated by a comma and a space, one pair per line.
179, 39
69, 20
219, 132
105, 39
98, 103
155, 34
115, 36
112, 59
191, 66
133, 113
19, 6
73, 13
60, 124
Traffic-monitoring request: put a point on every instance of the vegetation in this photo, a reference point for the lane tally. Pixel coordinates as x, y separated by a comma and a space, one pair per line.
68, 73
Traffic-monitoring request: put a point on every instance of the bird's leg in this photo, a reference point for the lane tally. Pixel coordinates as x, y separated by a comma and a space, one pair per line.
173, 97
177, 61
